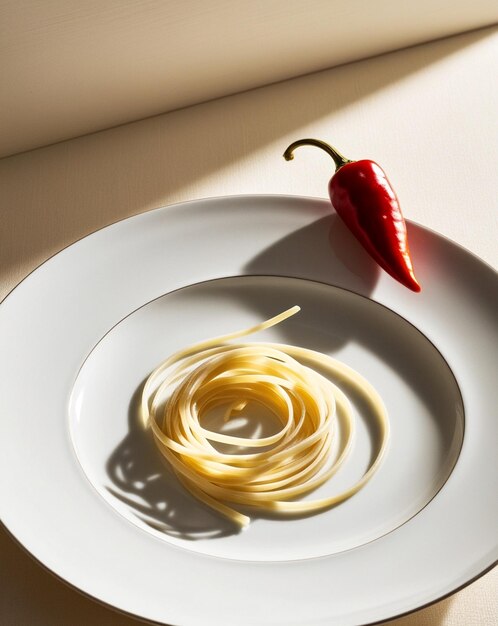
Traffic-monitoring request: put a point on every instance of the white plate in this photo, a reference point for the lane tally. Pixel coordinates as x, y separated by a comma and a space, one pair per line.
86, 496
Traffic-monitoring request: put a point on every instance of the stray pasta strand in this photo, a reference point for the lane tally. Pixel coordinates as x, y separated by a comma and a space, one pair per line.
272, 471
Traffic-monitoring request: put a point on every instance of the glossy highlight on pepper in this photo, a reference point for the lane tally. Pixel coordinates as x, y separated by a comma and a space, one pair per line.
363, 197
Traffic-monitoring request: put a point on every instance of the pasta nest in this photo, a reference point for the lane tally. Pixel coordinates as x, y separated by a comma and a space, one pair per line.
266, 474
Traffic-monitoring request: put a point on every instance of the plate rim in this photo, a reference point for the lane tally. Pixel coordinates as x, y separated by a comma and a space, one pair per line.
235, 197
120, 611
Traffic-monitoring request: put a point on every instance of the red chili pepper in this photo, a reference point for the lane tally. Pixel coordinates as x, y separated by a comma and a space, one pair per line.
363, 197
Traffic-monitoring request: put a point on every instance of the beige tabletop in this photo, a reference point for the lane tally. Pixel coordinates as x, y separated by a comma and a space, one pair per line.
427, 114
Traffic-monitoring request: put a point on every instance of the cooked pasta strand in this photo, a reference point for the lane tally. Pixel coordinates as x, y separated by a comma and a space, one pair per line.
271, 472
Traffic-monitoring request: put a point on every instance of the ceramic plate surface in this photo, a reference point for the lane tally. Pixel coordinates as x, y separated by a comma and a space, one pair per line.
88, 496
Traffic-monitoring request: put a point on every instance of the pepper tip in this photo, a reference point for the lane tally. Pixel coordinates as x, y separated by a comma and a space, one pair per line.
414, 285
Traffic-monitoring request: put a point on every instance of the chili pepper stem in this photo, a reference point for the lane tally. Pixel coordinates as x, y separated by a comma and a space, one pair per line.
339, 159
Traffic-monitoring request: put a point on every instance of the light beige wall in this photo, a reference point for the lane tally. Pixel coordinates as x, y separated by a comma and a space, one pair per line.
70, 67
